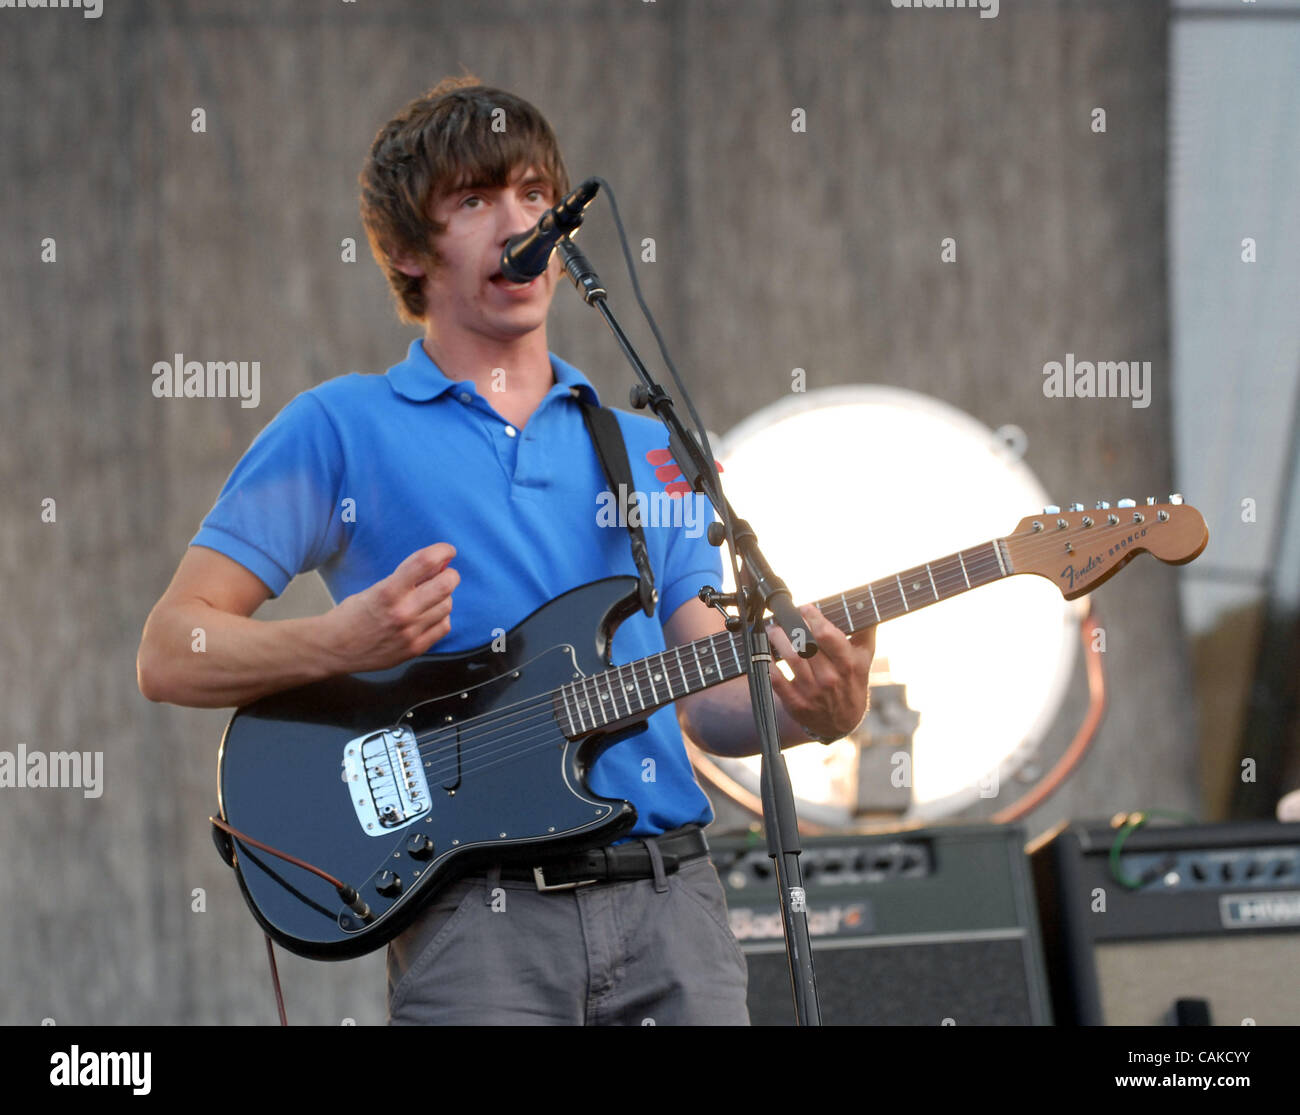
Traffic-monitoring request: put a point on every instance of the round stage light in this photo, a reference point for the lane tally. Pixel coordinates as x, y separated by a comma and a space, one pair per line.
847, 485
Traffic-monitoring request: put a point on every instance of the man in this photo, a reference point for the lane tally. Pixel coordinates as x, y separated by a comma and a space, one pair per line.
474, 449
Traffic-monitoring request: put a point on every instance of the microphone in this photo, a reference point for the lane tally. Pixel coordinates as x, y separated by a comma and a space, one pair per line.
526, 255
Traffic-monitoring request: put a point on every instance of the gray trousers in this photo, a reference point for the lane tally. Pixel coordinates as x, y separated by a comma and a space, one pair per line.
490, 951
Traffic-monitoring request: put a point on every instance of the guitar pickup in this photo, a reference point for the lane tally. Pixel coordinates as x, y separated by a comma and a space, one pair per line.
384, 774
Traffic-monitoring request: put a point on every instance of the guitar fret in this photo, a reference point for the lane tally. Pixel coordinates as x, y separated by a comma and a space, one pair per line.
621, 690
639, 695
997, 552
650, 680
713, 646
930, 573
607, 698
593, 705
844, 603
874, 606
892, 608
695, 650
564, 692
731, 638
962, 562
914, 584
668, 675
982, 572
903, 593
686, 688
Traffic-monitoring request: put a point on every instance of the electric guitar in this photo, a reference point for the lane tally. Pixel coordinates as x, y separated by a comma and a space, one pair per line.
394, 783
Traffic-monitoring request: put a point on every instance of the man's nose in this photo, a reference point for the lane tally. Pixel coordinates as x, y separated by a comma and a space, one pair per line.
516, 217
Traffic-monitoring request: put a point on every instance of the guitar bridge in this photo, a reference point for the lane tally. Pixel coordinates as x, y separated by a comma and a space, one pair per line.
385, 777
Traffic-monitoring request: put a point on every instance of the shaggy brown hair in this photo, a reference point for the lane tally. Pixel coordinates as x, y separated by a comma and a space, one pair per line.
446, 140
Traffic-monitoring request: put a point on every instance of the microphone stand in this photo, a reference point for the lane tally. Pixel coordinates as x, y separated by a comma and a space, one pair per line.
759, 590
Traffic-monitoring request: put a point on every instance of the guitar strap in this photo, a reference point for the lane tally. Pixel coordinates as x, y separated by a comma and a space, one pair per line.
611, 450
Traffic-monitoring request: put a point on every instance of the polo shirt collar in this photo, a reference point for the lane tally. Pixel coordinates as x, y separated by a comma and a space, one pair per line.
419, 379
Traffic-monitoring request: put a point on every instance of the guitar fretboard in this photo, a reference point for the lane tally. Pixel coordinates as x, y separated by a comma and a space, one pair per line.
630, 692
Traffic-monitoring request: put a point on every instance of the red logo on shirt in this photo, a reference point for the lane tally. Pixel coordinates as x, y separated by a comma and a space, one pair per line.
668, 470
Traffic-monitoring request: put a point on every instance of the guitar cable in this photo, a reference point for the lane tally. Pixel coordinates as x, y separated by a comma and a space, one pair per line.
275, 980
348, 894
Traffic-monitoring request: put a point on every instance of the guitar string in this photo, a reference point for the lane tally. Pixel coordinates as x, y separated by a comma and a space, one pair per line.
524, 717
525, 714
710, 645
505, 729
543, 706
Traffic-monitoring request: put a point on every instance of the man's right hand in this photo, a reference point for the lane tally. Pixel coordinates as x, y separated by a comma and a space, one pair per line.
201, 647
397, 618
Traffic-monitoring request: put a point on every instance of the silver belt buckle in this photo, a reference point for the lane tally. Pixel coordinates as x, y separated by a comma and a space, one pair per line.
542, 884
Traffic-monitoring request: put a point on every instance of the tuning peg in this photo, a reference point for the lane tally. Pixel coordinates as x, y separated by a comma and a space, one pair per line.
1126, 503
1175, 499
1051, 509
1151, 501
1076, 507
1102, 505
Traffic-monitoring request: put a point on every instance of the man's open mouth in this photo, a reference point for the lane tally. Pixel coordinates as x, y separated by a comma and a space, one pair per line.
500, 280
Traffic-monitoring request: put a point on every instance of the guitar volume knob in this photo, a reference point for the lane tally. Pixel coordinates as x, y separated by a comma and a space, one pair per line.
419, 847
388, 884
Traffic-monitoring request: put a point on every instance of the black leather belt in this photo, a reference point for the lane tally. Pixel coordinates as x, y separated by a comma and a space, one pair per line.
614, 862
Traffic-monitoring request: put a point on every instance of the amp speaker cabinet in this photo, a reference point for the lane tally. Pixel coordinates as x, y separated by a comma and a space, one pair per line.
924, 927
1191, 925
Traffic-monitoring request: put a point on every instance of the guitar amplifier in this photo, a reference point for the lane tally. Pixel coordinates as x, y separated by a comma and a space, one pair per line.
1192, 925
926, 927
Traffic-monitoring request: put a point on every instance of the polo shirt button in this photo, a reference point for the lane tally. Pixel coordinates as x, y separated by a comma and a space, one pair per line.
511, 431
464, 396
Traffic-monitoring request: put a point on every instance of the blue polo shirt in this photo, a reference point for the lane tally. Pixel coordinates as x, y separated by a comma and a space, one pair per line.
356, 474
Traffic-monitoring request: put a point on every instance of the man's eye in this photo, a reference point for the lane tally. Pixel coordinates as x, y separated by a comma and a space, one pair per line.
472, 197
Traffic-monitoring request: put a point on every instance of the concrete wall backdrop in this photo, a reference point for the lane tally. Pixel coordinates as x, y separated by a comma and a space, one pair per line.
776, 249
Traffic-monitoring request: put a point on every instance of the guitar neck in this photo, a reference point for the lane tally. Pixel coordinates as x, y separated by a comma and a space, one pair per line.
628, 693
917, 588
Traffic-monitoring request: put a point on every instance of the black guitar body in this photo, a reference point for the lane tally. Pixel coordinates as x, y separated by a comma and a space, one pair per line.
398, 782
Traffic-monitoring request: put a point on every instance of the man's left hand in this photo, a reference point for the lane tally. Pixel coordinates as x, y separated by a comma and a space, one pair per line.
828, 696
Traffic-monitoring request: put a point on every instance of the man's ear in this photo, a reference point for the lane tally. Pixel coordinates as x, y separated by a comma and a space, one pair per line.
407, 265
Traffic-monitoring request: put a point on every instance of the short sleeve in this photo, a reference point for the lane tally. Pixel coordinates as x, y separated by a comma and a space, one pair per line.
692, 560
278, 513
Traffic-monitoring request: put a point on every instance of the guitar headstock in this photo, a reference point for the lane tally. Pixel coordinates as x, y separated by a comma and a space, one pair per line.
1077, 549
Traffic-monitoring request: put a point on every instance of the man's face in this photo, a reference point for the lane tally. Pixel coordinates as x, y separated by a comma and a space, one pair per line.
468, 293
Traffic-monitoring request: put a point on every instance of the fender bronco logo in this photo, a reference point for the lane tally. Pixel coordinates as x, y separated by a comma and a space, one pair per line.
1124, 543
